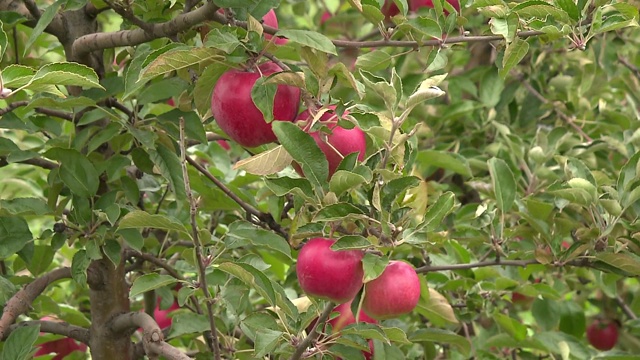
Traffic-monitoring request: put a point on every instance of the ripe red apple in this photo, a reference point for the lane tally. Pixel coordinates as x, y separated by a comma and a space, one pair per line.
61, 347
346, 317
162, 315
237, 115
389, 9
394, 293
603, 334
327, 274
340, 143
270, 19
414, 5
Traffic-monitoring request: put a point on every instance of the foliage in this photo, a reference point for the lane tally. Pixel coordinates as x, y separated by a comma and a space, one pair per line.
501, 160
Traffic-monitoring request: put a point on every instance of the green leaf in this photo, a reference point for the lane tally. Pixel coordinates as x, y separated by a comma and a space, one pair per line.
343, 181
132, 237
242, 233
350, 242
395, 188
438, 211
491, 87
266, 341
373, 266
374, 61
311, 39
41, 259
179, 59
304, 151
381, 88
45, 19
272, 292
79, 265
628, 263
511, 326
441, 336
24, 206
263, 96
337, 211
65, 74
546, 312
503, 182
572, 319
435, 307
14, 235
540, 10
514, 53
139, 219
4, 40
570, 7
150, 282
76, 171
265, 163
445, 160
223, 39
170, 168
285, 185
184, 323
7, 290
19, 344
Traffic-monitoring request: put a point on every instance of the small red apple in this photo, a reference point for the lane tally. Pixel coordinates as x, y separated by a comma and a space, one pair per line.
389, 9
325, 16
396, 292
162, 315
224, 144
270, 19
170, 102
346, 317
339, 143
327, 274
414, 5
237, 115
603, 334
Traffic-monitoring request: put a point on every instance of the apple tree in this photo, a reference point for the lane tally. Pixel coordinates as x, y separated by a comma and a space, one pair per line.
286, 179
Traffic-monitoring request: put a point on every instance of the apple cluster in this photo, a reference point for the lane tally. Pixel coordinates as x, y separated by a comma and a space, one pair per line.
237, 115
337, 276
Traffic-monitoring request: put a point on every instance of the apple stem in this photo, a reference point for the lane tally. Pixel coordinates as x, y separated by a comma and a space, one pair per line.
314, 333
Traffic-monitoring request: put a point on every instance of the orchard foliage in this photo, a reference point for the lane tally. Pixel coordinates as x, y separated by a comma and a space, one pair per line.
502, 162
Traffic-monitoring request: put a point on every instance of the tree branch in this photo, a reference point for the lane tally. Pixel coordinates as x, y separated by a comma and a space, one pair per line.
211, 335
566, 118
314, 333
45, 164
33, 8
98, 41
128, 15
625, 308
154, 260
152, 337
21, 301
55, 327
624, 61
263, 217
498, 262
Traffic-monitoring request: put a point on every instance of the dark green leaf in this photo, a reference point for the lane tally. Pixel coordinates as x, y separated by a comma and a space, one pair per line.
243, 233
311, 39
14, 235
504, 184
169, 165
349, 242
19, 344
150, 282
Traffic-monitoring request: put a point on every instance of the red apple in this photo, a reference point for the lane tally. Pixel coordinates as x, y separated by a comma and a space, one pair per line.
325, 16
61, 347
270, 19
340, 143
224, 144
396, 292
170, 102
327, 274
346, 317
603, 334
389, 9
414, 5
237, 115
161, 315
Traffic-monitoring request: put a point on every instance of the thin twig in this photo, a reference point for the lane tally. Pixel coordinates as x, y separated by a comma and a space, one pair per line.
625, 308
202, 267
252, 211
128, 15
567, 119
154, 260
624, 61
314, 333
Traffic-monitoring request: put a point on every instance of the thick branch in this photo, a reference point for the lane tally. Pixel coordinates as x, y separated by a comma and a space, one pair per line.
393, 43
314, 333
33, 8
21, 301
55, 327
152, 337
98, 41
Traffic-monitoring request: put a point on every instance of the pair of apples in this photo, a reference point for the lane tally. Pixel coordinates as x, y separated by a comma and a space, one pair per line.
337, 276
